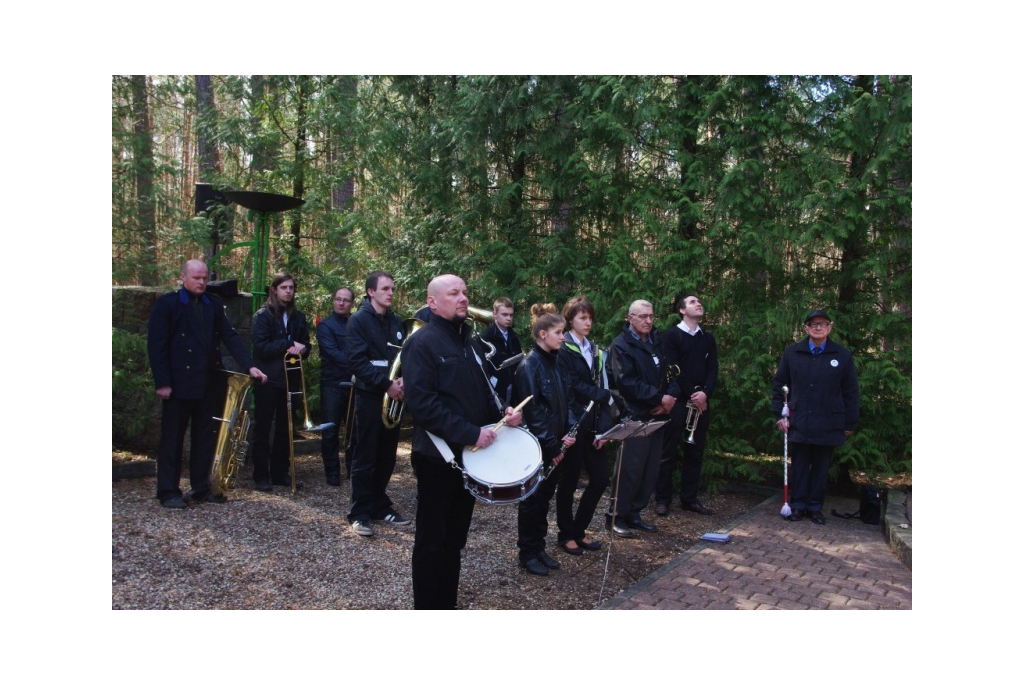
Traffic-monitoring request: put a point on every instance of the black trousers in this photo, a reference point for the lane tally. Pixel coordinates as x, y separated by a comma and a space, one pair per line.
808, 478
633, 483
270, 460
675, 434
443, 514
176, 417
581, 455
373, 461
334, 402
533, 515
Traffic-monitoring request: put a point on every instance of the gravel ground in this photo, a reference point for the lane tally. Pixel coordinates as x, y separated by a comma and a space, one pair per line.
276, 551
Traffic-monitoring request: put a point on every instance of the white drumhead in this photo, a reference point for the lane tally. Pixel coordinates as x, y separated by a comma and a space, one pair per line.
513, 456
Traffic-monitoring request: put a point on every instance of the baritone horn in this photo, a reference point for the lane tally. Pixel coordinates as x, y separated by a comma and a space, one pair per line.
233, 434
391, 410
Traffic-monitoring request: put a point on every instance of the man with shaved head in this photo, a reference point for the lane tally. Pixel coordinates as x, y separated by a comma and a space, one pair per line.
452, 403
186, 329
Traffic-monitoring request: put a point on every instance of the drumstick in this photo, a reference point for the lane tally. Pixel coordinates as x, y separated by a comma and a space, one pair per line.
501, 423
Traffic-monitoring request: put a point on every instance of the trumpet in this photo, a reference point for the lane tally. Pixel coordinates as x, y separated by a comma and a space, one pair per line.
692, 417
391, 409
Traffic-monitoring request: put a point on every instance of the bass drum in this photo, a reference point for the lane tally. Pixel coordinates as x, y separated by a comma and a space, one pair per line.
505, 472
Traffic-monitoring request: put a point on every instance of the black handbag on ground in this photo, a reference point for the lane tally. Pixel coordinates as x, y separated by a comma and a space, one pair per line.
870, 511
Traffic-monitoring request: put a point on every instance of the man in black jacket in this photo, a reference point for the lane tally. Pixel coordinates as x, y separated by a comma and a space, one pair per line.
450, 402
638, 380
506, 344
335, 384
824, 405
278, 328
691, 351
186, 329
374, 336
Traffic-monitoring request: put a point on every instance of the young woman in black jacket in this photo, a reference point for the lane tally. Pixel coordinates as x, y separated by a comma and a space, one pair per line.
547, 417
582, 365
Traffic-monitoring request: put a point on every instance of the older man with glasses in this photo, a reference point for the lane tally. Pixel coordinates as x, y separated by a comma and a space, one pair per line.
638, 383
824, 405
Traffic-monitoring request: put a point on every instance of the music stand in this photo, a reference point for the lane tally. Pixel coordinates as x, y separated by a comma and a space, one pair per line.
627, 430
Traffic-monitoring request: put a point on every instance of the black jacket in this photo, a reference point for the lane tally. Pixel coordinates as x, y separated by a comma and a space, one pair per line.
586, 384
501, 381
547, 414
373, 342
824, 398
270, 341
697, 359
184, 341
446, 391
330, 335
637, 374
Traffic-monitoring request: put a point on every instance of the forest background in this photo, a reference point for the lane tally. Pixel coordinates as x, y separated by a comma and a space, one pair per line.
767, 195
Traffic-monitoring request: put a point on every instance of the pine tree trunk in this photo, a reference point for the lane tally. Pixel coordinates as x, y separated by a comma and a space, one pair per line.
142, 144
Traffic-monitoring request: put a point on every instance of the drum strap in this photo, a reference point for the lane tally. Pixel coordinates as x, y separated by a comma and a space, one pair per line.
444, 449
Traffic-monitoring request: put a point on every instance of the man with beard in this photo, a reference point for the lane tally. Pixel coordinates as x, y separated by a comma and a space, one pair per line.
451, 403
186, 329
374, 336
278, 328
335, 384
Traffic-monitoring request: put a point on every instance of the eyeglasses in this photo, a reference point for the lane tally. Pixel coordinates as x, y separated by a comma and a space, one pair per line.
818, 324
643, 317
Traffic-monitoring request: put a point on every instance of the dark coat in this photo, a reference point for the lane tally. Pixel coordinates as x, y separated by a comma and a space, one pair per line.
586, 384
330, 336
184, 349
373, 342
547, 414
271, 339
824, 398
636, 373
446, 391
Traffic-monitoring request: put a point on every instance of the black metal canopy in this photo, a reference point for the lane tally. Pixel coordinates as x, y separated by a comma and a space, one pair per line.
263, 202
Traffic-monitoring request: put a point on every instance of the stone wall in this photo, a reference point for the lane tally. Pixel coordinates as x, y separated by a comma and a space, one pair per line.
132, 305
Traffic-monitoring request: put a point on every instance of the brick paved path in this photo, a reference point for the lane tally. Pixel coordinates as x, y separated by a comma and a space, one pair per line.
772, 563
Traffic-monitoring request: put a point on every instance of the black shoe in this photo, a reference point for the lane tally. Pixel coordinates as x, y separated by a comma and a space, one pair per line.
640, 524
575, 551
534, 566
817, 517
617, 526
286, 481
797, 515
546, 559
334, 480
204, 497
661, 509
698, 508
174, 503
263, 486
589, 546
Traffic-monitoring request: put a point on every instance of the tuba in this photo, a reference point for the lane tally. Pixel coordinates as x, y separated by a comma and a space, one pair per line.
233, 435
391, 410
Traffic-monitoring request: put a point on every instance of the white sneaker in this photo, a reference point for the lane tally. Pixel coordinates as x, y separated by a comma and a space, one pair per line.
362, 528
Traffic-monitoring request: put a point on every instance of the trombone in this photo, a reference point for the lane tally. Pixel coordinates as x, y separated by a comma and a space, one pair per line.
293, 364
